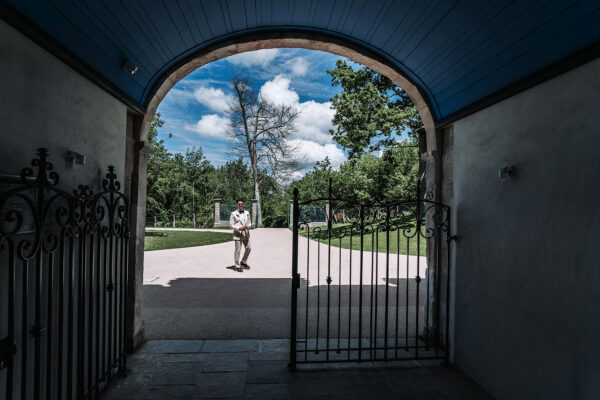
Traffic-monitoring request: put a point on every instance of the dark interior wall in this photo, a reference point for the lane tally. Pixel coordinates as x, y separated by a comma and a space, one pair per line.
44, 103
527, 314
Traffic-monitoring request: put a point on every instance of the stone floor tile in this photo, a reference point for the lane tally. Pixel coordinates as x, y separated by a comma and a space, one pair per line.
170, 371
186, 357
268, 391
269, 356
322, 383
274, 345
144, 363
177, 374
421, 396
230, 346
226, 362
459, 388
217, 385
171, 346
134, 387
174, 392
365, 381
268, 372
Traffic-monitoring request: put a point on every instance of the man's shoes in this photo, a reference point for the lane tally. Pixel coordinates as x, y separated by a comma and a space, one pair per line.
245, 266
238, 269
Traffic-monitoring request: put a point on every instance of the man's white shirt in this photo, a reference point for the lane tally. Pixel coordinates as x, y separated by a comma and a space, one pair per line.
238, 220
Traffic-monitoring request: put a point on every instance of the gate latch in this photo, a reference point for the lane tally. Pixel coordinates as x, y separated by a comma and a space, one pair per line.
7, 351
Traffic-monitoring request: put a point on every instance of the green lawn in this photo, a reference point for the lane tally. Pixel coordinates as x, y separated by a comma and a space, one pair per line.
370, 241
159, 240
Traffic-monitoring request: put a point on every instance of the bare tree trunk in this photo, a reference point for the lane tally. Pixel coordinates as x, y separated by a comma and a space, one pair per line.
257, 197
265, 130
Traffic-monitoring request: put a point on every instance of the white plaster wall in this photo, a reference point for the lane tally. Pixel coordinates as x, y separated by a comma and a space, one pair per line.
45, 103
527, 258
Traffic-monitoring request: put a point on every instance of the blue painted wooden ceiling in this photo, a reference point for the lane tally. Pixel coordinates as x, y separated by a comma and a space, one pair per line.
456, 52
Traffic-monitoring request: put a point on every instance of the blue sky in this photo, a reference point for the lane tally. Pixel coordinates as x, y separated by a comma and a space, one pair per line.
193, 110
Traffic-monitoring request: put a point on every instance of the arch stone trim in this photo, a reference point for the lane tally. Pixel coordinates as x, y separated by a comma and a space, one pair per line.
257, 41
311, 41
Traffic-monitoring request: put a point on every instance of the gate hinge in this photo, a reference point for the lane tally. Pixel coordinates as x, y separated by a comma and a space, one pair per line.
7, 351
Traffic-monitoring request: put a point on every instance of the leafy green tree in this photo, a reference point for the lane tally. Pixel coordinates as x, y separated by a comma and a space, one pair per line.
371, 112
392, 176
315, 183
158, 178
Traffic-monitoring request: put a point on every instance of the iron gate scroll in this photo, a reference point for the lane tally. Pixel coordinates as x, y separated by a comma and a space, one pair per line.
372, 283
64, 274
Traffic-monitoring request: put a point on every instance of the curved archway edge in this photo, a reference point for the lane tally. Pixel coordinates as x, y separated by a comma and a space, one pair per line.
250, 42
310, 41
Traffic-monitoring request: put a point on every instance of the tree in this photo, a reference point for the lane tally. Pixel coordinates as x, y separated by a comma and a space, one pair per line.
371, 112
389, 177
261, 131
158, 176
315, 183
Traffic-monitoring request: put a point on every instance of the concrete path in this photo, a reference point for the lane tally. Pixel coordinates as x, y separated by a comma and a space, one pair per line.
257, 369
192, 293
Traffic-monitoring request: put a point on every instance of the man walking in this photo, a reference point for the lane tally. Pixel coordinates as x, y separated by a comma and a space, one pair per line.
239, 221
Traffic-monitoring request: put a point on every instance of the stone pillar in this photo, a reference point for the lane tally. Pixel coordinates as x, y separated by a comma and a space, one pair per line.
217, 201
254, 213
327, 211
291, 214
136, 169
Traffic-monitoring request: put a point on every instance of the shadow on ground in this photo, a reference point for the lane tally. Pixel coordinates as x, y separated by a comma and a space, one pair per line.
256, 308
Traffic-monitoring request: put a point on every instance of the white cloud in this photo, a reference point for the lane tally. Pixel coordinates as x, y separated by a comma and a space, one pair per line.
178, 97
311, 139
253, 58
278, 91
297, 66
314, 120
311, 152
211, 125
214, 99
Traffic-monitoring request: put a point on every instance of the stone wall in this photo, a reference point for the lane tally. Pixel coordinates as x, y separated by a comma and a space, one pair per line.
526, 268
44, 103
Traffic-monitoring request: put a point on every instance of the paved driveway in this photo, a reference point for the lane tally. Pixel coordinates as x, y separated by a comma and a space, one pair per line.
192, 293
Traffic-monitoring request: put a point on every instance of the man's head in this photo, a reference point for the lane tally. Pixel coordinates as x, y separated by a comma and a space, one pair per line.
240, 204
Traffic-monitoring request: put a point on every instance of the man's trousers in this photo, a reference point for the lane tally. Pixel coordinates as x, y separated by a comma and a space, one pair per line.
245, 240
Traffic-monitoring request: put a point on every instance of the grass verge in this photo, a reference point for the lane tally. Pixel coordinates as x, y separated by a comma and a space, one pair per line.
160, 240
398, 242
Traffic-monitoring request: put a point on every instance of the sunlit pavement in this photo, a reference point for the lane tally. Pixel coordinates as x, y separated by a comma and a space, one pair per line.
192, 293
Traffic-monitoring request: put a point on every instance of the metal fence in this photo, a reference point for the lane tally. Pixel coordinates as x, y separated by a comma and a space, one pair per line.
363, 289
63, 275
179, 221
225, 211
313, 213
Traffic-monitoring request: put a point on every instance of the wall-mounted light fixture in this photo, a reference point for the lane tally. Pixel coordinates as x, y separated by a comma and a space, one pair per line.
75, 157
130, 67
506, 172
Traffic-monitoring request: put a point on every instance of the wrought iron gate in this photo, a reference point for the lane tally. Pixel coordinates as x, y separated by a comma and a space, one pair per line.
63, 285
372, 282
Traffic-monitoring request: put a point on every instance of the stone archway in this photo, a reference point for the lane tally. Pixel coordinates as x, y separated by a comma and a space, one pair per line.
136, 158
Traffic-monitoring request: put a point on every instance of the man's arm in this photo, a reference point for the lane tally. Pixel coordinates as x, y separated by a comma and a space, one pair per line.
232, 223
